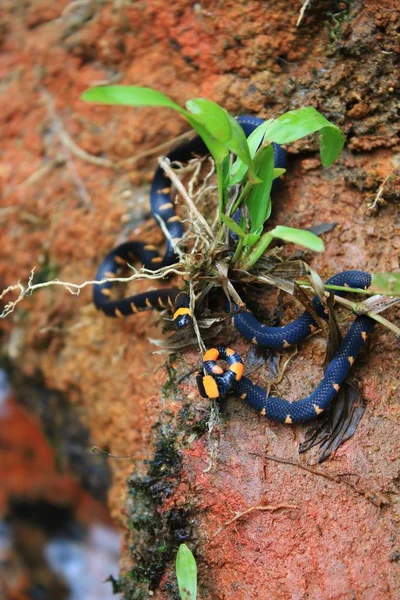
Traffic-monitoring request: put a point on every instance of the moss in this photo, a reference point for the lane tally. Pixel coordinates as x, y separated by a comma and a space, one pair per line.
158, 532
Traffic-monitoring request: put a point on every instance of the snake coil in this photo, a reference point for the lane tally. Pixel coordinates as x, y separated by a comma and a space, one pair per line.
215, 382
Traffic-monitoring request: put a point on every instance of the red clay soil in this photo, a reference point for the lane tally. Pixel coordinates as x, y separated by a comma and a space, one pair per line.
62, 211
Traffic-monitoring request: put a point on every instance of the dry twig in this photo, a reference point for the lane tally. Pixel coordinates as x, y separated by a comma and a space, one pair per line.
267, 507
373, 498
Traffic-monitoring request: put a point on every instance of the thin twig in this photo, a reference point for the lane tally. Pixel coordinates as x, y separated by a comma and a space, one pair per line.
268, 507
302, 11
68, 141
381, 188
168, 236
160, 149
166, 166
192, 295
334, 478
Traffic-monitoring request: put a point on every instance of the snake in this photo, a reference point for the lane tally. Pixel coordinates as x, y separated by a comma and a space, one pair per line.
215, 382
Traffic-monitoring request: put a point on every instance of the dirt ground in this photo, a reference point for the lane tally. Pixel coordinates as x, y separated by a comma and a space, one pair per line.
66, 203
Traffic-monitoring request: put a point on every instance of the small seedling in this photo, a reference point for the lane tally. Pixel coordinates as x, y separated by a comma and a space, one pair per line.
186, 573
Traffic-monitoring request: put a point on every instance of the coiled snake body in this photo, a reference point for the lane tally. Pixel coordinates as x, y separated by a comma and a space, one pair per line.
216, 382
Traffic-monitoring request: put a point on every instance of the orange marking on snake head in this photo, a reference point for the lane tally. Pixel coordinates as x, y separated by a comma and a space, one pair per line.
288, 420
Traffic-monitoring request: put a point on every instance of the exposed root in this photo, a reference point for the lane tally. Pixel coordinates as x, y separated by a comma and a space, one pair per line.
75, 288
378, 198
375, 499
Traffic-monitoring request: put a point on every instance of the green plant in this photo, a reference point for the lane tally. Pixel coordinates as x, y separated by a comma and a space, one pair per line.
253, 168
186, 573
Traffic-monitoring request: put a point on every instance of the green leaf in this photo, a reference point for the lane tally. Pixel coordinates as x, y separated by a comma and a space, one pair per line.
239, 167
296, 124
298, 236
221, 126
232, 225
217, 149
186, 573
385, 283
129, 95
258, 200
214, 118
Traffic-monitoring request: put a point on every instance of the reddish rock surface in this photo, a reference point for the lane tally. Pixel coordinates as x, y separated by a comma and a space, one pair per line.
61, 212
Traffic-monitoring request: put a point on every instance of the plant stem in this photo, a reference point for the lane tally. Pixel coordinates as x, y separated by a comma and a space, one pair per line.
221, 190
257, 252
242, 194
238, 250
339, 288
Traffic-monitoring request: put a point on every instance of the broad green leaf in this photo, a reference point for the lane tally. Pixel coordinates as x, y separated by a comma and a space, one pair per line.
186, 573
296, 124
232, 225
258, 200
298, 236
239, 167
386, 283
129, 95
214, 118
221, 126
